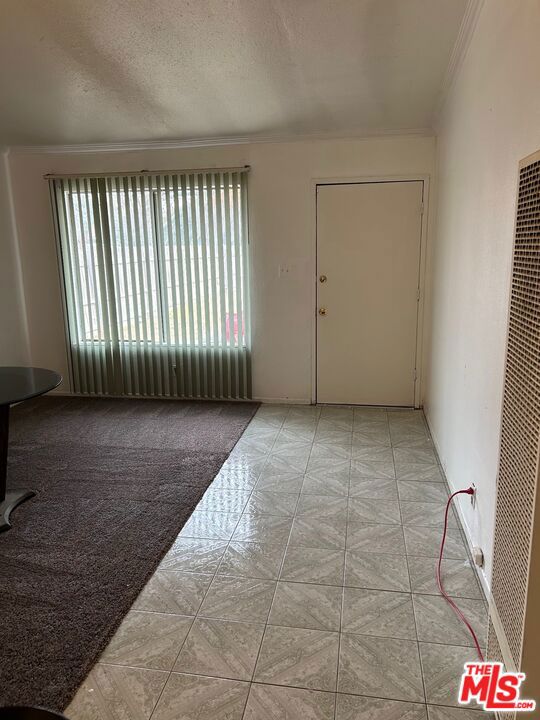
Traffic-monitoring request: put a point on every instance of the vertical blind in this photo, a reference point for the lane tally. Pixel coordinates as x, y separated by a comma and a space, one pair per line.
156, 278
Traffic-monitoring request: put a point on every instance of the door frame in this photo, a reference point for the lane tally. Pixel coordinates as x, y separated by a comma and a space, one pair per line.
361, 180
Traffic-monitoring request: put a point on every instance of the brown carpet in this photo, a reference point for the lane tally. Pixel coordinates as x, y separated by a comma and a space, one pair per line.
117, 480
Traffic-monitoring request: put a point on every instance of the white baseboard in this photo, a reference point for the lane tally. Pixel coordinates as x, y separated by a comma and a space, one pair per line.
479, 571
465, 527
480, 574
282, 401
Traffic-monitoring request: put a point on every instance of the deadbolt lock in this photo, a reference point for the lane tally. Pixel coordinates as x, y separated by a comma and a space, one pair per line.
323, 278
322, 311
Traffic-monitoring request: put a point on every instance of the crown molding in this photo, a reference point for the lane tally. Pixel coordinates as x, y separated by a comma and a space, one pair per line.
461, 46
139, 146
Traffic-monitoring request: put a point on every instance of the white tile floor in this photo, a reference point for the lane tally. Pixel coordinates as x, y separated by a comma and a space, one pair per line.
302, 588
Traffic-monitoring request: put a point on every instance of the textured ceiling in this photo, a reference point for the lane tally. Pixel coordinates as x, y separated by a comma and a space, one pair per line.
82, 71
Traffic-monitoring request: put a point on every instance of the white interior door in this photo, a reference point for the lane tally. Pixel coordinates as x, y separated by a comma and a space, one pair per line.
368, 272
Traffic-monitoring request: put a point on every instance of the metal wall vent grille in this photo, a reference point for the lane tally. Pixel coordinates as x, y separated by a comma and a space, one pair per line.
520, 432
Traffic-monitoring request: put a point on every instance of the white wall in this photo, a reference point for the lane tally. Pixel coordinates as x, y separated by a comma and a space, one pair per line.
491, 119
13, 340
282, 230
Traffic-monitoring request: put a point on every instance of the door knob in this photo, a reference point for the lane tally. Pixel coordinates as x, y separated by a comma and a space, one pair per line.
323, 278
322, 311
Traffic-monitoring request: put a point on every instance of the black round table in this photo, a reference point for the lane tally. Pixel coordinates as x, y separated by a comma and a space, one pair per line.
18, 384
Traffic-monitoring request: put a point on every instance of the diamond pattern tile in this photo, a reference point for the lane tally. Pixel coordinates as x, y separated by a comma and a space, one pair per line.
380, 667
299, 658
377, 612
303, 587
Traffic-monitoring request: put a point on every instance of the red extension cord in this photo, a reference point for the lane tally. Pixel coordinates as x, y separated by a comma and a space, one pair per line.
461, 616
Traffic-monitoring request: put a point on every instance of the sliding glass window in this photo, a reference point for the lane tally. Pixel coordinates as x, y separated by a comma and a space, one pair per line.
156, 277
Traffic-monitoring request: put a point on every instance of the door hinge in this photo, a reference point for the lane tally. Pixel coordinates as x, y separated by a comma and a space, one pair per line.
415, 375
421, 208
417, 294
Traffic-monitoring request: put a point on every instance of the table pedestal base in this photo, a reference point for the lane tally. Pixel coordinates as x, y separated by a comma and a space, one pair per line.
13, 498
